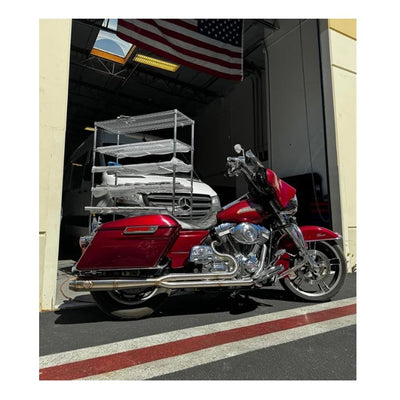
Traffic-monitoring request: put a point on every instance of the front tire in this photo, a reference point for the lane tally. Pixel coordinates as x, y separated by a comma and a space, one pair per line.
326, 282
130, 304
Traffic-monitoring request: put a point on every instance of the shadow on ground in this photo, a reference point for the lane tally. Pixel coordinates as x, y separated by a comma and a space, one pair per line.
181, 303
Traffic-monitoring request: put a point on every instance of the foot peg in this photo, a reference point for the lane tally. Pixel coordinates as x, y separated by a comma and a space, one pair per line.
269, 275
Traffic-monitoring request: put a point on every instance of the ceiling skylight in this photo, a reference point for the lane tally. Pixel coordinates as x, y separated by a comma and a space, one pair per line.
109, 46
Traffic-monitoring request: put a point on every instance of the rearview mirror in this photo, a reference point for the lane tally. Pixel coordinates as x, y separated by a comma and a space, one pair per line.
238, 148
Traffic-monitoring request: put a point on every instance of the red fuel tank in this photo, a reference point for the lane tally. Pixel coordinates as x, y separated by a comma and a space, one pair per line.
240, 212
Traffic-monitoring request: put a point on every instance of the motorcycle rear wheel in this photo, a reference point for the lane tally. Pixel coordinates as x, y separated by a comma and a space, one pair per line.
129, 304
328, 279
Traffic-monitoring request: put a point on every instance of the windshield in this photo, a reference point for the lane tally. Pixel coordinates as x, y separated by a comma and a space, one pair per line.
253, 160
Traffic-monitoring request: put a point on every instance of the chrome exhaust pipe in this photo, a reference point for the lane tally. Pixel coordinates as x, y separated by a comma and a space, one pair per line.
123, 284
171, 281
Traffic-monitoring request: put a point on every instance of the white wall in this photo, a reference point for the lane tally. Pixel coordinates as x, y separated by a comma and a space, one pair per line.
55, 38
343, 69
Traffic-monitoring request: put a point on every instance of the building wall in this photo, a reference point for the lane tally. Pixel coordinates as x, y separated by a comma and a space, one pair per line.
310, 119
287, 118
295, 122
53, 93
297, 142
224, 123
342, 40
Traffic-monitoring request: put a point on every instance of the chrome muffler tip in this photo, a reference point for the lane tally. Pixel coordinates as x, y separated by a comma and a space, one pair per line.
79, 285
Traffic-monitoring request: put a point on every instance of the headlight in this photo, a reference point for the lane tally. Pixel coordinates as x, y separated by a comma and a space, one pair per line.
135, 200
292, 205
215, 203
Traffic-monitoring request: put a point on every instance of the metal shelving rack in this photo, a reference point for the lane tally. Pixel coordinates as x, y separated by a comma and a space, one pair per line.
125, 125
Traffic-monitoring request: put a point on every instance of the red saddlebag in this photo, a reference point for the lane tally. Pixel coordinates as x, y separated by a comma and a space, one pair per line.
136, 242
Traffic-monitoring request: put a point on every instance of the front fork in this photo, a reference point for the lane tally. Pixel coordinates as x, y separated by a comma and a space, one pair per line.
293, 230
295, 233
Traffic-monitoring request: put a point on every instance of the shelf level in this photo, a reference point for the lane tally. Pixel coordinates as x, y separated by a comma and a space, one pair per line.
126, 210
141, 149
145, 188
143, 123
161, 168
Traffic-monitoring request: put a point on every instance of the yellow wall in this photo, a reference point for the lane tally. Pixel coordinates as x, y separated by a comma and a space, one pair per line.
342, 39
55, 36
346, 27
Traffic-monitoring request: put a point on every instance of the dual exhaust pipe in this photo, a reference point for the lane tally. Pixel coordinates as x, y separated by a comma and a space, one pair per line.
165, 282
171, 281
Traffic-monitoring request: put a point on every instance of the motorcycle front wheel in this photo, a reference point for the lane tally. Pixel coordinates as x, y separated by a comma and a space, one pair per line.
326, 281
130, 303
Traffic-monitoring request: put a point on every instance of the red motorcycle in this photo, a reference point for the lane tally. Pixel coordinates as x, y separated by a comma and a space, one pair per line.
132, 264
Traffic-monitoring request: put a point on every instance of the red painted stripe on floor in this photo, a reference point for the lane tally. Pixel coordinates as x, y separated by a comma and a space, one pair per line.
113, 362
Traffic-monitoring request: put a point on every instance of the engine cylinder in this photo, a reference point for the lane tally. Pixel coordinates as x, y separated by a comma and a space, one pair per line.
247, 233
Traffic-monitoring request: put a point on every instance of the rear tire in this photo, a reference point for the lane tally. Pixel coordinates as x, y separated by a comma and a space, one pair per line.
130, 304
329, 279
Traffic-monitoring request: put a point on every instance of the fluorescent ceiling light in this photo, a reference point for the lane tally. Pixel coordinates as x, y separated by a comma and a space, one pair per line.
112, 57
154, 62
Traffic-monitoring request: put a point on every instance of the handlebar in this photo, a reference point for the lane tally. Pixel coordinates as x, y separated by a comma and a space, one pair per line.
238, 165
253, 171
233, 166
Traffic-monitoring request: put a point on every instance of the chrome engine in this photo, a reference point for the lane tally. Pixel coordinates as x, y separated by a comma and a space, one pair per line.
244, 241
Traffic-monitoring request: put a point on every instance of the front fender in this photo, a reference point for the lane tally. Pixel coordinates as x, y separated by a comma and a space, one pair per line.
313, 233
310, 233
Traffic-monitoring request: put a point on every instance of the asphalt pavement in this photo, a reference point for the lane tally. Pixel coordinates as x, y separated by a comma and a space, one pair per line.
218, 334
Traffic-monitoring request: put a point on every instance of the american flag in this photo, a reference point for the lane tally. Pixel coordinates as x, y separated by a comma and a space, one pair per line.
214, 46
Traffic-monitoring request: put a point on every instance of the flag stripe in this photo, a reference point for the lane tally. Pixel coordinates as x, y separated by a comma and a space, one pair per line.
104, 364
173, 28
190, 24
220, 72
165, 52
179, 41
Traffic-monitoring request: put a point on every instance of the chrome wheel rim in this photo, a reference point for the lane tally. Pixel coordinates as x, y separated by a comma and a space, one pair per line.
324, 279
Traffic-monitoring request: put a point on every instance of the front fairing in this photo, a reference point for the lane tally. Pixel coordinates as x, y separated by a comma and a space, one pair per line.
266, 179
283, 191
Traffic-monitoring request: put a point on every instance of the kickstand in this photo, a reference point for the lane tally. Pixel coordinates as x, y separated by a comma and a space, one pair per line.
239, 297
